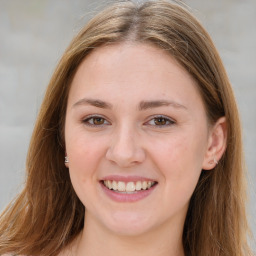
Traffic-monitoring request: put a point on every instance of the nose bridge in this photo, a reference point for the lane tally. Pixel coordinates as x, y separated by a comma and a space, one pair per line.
125, 147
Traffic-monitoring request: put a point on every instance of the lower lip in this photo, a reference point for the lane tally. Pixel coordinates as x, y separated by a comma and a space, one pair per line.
125, 197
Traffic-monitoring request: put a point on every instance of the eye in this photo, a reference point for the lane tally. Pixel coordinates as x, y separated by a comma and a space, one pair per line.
95, 121
161, 121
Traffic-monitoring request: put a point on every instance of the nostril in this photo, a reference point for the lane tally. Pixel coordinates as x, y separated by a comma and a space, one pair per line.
125, 156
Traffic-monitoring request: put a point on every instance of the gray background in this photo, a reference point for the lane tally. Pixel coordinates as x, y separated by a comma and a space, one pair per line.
34, 34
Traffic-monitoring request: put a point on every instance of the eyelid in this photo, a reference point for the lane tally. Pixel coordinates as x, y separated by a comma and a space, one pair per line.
171, 120
86, 119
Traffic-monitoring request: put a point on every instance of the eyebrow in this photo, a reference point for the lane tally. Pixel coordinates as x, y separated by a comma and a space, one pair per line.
143, 105
93, 102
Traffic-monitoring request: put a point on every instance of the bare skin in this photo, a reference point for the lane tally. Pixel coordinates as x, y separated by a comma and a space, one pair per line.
132, 112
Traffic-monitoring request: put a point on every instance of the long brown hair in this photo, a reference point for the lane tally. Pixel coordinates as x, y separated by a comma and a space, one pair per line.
48, 215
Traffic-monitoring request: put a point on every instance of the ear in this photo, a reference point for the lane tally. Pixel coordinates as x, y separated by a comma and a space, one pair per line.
217, 142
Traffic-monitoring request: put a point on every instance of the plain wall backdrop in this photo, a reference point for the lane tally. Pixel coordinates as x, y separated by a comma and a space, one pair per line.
33, 36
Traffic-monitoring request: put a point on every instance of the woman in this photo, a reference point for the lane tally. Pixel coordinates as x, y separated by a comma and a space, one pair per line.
142, 111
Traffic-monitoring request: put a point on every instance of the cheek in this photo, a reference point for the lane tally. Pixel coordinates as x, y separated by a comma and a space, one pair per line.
176, 150
84, 158
180, 162
84, 153
82, 147
186, 150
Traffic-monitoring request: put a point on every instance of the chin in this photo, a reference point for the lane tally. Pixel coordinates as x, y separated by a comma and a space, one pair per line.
129, 224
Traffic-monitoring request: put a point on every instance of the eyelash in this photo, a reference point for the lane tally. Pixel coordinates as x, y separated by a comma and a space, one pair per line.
92, 118
168, 121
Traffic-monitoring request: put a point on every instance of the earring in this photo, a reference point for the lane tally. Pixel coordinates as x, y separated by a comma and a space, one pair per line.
215, 161
66, 160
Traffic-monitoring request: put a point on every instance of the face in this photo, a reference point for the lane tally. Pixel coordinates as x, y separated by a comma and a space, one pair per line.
136, 137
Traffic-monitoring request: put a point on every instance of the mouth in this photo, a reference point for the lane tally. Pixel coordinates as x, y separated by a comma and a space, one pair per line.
130, 187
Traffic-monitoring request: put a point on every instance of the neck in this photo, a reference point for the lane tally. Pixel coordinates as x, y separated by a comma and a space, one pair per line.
96, 240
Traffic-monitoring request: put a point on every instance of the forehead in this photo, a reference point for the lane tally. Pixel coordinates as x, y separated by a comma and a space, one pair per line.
135, 71
142, 57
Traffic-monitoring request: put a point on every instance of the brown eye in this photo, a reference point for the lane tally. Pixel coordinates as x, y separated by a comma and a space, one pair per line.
95, 121
98, 121
160, 121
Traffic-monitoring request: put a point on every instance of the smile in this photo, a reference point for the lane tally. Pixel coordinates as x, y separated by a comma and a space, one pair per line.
128, 187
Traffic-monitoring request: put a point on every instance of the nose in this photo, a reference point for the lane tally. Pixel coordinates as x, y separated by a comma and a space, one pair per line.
125, 149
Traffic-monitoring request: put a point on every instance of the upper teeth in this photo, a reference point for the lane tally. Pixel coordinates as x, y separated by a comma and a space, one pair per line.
131, 186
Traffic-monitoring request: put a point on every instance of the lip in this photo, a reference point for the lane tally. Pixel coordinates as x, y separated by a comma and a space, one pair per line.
127, 197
